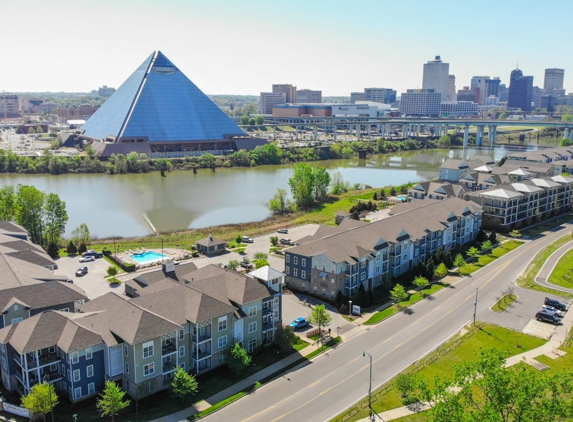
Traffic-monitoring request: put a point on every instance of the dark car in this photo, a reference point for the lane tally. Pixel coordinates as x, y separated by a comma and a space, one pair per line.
299, 323
283, 231
286, 241
82, 271
556, 304
547, 317
93, 253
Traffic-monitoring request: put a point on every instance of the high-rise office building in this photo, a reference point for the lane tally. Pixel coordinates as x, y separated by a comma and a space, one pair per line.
466, 94
520, 90
420, 102
288, 90
356, 96
380, 95
492, 87
271, 99
308, 96
437, 77
452, 96
478, 85
553, 80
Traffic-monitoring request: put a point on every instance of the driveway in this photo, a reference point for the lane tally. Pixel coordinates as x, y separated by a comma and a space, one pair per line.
94, 282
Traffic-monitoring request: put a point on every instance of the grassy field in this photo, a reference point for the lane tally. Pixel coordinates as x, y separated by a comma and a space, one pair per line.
564, 267
486, 337
496, 253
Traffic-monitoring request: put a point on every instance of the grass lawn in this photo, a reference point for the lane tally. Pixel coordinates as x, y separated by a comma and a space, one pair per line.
563, 267
504, 303
416, 297
483, 260
546, 226
488, 336
528, 277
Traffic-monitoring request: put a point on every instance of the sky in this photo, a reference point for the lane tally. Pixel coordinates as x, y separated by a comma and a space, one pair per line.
243, 47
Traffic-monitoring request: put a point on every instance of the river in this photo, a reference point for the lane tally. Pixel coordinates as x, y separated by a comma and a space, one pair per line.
140, 204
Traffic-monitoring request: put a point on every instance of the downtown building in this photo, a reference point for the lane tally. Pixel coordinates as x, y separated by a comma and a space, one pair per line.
520, 91
436, 77
420, 102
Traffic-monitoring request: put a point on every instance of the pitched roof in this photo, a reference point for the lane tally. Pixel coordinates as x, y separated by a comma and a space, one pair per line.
266, 273
159, 103
42, 295
210, 241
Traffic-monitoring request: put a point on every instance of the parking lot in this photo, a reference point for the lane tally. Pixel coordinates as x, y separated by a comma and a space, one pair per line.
94, 282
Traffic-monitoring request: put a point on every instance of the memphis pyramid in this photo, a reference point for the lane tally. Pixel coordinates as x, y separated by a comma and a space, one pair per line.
159, 111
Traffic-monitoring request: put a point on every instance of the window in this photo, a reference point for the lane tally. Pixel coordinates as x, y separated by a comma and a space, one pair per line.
16, 320
125, 349
363, 276
91, 388
126, 385
77, 375
252, 311
287, 270
75, 357
90, 371
295, 272
287, 258
222, 323
181, 335
303, 262
252, 345
252, 327
53, 366
182, 365
181, 351
363, 264
222, 342
147, 349
303, 274
295, 260
64, 309
148, 369
126, 368
52, 350
89, 353
77, 393
16, 307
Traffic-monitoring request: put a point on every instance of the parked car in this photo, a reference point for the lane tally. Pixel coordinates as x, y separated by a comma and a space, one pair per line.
247, 239
246, 265
82, 271
286, 241
555, 304
87, 258
93, 253
547, 317
283, 231
299, 323
552, 310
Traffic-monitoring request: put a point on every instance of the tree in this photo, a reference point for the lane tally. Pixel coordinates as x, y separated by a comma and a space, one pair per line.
321, 317
238, 241
486, 390
567, 117
515, 234
82, 248
486, 246
279, 203
8, 204
56, 217
233, 264
53, 250
421, 282
565, 142
302, 185
81, 234
444, 140
260, 120
441, 271
337, 183
459, 261
41, 399
284, 339
492, 237
30, 203
71, 249
274, 241
112, 270
183, 385
472, 252
239, 359
321, 183
407, 384
398, 293
111, 401
260, 263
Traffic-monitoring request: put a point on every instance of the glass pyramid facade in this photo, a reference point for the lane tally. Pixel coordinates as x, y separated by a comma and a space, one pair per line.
159, 104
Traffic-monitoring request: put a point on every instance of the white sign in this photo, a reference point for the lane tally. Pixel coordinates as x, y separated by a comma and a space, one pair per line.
20, 411
355, 310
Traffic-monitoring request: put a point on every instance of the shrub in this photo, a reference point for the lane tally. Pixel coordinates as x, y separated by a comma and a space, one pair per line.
111, 270
128, 267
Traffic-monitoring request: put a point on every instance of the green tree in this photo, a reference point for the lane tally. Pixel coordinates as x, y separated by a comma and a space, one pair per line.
459, 261
111, 400
472, 252
486, 245
279, 203
239, 359
260, 263
421, 282
56, 217
238, 241
81, 234
53, 250
441, 271
567, 117
112, 270
407, 384
183, 385
90, 152
565, 142
82, 248
515, 234
245, 120
260, 120
444, 140
41, 399
284, 339
321, 182
30, 203
337, 183
8, 203
486, 390
233, 264
302, 185
71, 249
321, 317
274, 241
399, 294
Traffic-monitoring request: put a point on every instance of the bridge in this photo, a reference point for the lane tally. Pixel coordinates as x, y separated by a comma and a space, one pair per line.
409, 127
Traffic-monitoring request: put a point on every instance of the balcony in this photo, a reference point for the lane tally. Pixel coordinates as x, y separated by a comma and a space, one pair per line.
168, 366
44, 360
168, 349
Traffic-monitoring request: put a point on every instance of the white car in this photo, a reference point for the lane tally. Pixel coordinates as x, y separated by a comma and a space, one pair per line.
87, 258
247, 239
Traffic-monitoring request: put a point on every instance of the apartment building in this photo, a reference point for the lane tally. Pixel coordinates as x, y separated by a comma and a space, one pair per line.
436, 190
340, 259
453, 170
522, 203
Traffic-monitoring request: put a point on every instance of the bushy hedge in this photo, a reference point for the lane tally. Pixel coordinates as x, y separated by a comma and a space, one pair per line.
128, 267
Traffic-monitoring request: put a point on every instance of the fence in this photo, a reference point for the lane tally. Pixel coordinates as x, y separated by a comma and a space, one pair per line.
418, 366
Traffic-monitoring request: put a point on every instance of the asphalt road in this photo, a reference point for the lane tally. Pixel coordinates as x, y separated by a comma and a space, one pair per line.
332, 382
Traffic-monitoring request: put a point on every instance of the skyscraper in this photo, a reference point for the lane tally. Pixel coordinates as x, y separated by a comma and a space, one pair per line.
520, 90
553, 80
452, 96
437, 77
288, 89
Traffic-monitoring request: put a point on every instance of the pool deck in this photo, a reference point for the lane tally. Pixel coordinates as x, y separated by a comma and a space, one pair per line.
170, 254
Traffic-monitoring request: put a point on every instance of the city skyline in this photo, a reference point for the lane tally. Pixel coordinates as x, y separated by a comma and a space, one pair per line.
244, 48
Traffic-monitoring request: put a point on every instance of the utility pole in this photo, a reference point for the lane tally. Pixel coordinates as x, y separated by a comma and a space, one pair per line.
475, 306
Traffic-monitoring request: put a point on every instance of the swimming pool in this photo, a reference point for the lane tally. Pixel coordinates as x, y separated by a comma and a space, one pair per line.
147, 257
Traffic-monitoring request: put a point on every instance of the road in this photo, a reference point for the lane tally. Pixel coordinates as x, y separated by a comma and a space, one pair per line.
329, 384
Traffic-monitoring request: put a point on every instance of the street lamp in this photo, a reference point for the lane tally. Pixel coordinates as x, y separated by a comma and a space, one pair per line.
475, 306
46, 380
349, 308
370, 387
75, 416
